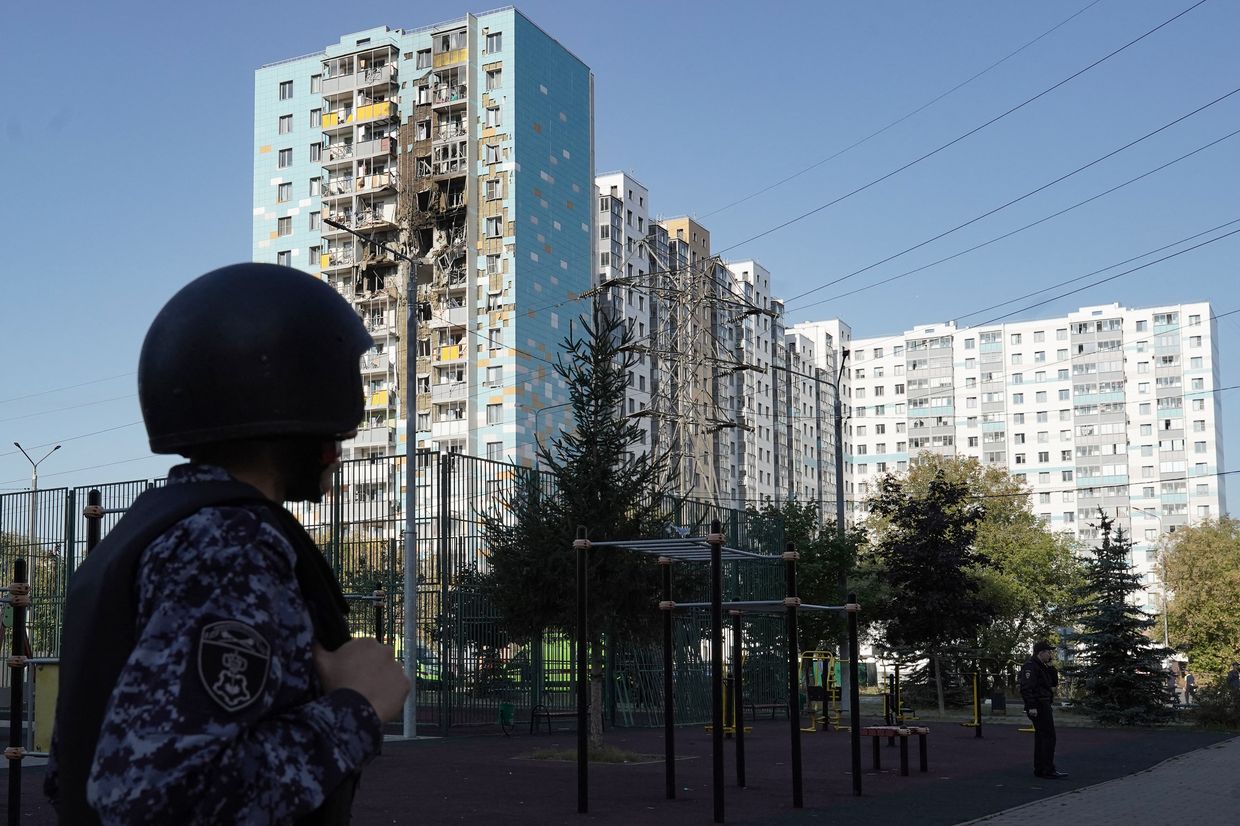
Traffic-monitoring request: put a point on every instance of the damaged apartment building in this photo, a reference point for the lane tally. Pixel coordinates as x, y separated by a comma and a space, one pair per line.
460, 154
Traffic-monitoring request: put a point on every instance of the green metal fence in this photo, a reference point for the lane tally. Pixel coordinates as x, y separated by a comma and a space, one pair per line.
466, 665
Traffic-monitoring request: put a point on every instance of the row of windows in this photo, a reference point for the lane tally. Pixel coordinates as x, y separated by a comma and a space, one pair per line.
284, 226
452, 41
1061, 334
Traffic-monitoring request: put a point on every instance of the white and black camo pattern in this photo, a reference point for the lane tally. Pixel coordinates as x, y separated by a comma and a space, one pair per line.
168, 752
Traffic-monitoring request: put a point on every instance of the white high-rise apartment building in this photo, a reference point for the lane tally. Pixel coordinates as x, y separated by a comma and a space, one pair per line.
627, 254
1106, 407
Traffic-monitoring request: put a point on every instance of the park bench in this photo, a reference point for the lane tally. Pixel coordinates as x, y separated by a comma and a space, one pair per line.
755, 707
541, 713
875, 733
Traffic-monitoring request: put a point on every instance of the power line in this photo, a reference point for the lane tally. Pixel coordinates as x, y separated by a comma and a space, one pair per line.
967, 134
91, 467
67, 387
997, 319
74, 438
1095, 272
899, 337
905, 117
1069, 360
1020, 198
69, 407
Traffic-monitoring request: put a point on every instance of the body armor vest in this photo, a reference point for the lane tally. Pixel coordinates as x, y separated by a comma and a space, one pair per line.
100, 628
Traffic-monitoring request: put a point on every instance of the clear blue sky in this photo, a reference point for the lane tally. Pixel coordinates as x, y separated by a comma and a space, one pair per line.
128, 145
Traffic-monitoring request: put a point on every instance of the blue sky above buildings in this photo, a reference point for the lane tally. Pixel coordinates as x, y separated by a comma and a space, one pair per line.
130, 166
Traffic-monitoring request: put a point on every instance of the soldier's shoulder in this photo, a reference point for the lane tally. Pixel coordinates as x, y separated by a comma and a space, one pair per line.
221, 535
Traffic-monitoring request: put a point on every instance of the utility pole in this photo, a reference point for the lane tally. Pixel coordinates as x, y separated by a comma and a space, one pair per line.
410, 626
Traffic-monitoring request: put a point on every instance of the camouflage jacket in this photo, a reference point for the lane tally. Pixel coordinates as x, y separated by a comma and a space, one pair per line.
218, 715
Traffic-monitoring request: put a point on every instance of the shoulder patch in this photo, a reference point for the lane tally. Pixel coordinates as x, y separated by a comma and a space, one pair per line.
233, 661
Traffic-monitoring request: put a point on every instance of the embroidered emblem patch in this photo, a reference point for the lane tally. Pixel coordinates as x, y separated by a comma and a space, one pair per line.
232, 663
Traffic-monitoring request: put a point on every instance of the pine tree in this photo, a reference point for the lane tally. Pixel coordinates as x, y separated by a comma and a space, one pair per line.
1117, 668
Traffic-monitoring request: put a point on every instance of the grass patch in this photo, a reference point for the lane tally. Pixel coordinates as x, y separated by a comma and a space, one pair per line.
602, 754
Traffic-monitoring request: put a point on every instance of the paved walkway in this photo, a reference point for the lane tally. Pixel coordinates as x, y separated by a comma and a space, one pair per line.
1201, 786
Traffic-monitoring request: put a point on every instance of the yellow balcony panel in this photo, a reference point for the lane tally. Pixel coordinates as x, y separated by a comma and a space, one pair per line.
379, 399
450, 353
325, 261
450, 58
371, 111
330, 119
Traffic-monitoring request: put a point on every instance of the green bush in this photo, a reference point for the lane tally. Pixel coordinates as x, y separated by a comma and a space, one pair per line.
1217, 706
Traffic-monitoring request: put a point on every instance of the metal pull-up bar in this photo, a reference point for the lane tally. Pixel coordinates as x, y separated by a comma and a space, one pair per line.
672, 550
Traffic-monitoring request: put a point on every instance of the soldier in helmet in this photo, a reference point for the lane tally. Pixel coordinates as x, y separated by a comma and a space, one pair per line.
207, 674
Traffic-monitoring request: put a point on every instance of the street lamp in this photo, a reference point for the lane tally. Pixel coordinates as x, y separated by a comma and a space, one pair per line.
34, 493
846, 674
410, 630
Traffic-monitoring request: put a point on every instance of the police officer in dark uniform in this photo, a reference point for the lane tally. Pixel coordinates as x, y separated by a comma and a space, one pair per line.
1038, 679
207, 672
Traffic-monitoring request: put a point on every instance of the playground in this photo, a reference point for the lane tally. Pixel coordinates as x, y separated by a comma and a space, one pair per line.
489, 777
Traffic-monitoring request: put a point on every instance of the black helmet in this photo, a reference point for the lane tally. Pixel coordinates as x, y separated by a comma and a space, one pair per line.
251, 351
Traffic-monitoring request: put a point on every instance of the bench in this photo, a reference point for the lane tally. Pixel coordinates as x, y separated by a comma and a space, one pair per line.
541, 713
754, 708
903, 732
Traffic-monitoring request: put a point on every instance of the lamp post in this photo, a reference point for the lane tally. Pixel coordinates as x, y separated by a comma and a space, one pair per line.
410, 625
34, 494
846, 674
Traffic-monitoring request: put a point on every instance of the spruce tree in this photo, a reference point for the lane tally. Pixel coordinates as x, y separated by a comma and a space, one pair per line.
1117, 668
926, 544
600, 479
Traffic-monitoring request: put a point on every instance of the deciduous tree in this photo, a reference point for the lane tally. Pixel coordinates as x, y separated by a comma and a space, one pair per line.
1203, 575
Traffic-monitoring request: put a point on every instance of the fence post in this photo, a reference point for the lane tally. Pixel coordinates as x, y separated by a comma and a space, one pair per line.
19, 596
337, 519
790, 557
94, 518
669, 691
446, 697
379, 597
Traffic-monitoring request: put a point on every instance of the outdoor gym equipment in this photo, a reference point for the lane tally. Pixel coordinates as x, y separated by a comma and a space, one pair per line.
815, 676
711, 548
976, 722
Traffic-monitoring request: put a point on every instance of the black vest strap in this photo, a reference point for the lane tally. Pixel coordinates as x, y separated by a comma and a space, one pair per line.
100, 629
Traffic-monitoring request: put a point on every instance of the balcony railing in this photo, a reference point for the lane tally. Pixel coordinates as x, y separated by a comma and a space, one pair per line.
373, 436
338, 152
449, 94
374, 363
453, 132
375, 147
336, 258
336, 187
371, 111
370, 183
360, 114
449, 392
